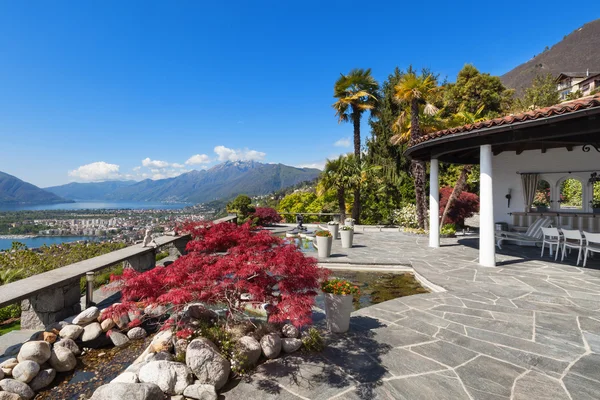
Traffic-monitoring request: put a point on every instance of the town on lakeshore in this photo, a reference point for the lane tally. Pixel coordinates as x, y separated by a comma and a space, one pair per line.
204, 201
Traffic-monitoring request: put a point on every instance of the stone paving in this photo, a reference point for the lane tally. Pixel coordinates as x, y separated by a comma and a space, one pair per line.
526, 329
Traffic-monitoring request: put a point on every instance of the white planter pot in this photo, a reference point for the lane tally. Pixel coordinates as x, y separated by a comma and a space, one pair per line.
347, 238
323, 245
338, 309
334, 229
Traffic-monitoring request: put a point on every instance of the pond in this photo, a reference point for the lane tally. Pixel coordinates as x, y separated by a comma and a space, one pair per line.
377, 287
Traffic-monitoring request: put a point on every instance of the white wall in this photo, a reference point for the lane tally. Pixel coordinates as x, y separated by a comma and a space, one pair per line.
507, 164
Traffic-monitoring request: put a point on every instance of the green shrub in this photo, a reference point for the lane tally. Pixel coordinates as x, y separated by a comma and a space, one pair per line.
312, 340
448, 229
406, 217
161, 255
8, 312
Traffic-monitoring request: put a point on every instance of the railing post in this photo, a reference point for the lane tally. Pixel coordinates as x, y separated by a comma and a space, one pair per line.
89, 293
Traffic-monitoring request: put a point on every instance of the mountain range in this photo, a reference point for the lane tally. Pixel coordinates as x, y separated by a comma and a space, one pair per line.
15, 191
222, 181
577, 52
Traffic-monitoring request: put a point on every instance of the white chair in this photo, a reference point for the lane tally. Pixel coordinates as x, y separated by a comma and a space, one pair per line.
572, 239
551, 237
592, 244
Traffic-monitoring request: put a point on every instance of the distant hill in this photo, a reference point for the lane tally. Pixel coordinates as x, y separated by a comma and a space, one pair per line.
577, 52
88, 191
222, 181
15, 191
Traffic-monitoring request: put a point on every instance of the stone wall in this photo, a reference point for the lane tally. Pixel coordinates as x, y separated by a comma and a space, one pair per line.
51, 305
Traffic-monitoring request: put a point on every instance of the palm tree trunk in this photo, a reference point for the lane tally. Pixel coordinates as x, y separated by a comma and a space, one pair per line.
342, 203
356, 204
458, 189
418, 167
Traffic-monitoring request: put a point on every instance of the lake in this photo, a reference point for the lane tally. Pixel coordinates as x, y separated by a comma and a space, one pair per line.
95, 205
39, 241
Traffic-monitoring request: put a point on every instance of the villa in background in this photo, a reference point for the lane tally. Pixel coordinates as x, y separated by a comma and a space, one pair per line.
570, 82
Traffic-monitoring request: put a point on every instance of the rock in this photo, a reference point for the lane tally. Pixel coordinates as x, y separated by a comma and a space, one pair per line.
107, 325
135, 368
86, 316
25, 371
13, 350
271, 345
178, 397
49, 337
69, 344
155, 311
7, 366
42, 379
9, 396
38, 351
121, 321
91, 332
171, 377
71, 332
20, 388
249, 350
209, 366
136, 333
2, 374
290, 331
128, 391
160, 356
63, 359
126, 377
56, 326
290, 345
181, 346
134, 314
117, 338
200, 312
199, 391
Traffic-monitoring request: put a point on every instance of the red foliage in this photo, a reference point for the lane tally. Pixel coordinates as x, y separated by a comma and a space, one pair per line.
265, 216
257, 265
465, 206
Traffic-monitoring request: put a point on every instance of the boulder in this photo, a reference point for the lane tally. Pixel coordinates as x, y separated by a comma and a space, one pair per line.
200, 312
155, 311
42, 379
16, 387
107, 324
126, 377
86, 316
134, 314
290, 345
136, 333
2, 374
128, 391
91, 332
199, 391
63, 359
207, 363
69, 344
56, 326
117, 338
25, 371
271, 345
71, 332
7, 366
38, 351
9, 396
249, 350
163, 341
290, 331
49, 337
121, 321
160, 356
171, 377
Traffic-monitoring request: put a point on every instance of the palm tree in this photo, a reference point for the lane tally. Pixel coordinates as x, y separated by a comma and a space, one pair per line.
414, 91
339, 174
356, 93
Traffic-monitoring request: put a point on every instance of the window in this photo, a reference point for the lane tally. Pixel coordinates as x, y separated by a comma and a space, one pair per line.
541, 200
571, 194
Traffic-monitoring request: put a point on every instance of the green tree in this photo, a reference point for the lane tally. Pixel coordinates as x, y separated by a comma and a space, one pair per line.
339, 174
542, 93
242, 206
356, 93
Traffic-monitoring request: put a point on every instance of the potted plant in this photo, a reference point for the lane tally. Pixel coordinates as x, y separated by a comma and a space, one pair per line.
334, 228
338, 303
596, 206
347, 235
323, 241
349, 221
540, 206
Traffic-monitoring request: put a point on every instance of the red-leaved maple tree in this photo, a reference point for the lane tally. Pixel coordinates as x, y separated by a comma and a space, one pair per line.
234, 266
265, 216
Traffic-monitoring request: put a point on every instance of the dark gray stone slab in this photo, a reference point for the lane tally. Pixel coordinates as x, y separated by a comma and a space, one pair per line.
429, 387
400, 362
488, 375
256, 388
588, 366
445, 353
536, 386
581, 388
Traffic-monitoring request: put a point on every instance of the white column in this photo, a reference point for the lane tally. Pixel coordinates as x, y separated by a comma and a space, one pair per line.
434, 204
487, 245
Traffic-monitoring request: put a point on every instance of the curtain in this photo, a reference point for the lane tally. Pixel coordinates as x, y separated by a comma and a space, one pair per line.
530, 182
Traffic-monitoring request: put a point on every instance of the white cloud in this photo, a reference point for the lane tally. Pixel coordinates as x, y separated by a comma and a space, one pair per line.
318, 165
147, 162
198, 159
136, 169
344, 142
96, 171
177, 165
227, 154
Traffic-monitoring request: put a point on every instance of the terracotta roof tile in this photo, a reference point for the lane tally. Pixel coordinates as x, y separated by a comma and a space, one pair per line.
559, 109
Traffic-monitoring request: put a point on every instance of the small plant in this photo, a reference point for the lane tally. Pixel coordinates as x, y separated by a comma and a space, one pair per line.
346, 228
323, 234
350, 220
448, 229
540, 203
339, 287
312, 340
406, 217
333, 223
595, 203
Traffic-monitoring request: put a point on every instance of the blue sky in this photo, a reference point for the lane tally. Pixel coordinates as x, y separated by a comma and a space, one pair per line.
95, 90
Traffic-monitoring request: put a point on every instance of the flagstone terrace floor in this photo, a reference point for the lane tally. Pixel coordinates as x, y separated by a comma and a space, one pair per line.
526, 329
